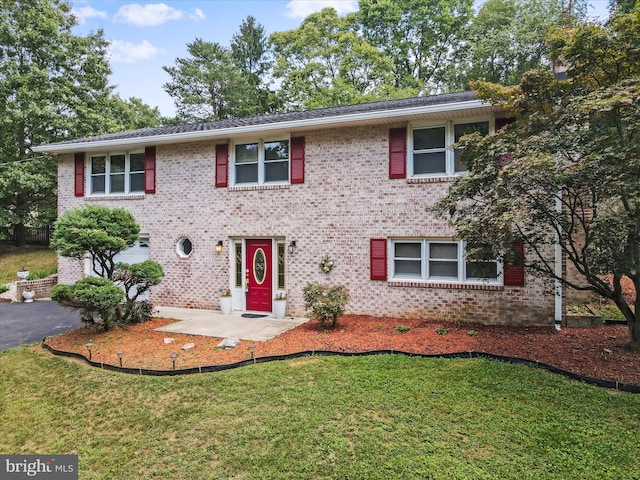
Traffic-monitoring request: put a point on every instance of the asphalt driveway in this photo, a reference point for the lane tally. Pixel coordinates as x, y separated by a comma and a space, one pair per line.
22, 323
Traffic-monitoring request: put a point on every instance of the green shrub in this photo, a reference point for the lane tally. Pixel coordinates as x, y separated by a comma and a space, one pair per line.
137, 279
442, 331
61, 293
139, 311
610, 312
402, 328
38, 274
101, 293
92, 295
4, 288
325, 303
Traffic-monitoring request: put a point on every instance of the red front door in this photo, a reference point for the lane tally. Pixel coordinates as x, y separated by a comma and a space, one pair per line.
259, 275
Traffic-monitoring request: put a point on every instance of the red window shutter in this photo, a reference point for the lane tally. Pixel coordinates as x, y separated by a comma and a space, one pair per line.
397, 153
150, 170
378, 254
79, 175
297, 160
514, 274
503, 122
222, 165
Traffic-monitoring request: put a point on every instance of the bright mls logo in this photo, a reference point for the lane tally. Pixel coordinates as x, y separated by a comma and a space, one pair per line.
50, 467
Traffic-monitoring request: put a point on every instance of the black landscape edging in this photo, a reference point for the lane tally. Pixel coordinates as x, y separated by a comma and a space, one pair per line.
623, 387
614, 322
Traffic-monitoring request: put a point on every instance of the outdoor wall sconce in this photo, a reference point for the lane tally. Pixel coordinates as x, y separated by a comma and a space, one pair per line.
219, 246
173, 357
120, 353
89, 347
292, 247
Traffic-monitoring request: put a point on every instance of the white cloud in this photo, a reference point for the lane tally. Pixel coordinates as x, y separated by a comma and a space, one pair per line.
303, 8
197, 14
127, 52
153, 14
84, 13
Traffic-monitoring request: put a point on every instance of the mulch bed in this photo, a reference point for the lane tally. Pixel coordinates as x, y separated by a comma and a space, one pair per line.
598, 352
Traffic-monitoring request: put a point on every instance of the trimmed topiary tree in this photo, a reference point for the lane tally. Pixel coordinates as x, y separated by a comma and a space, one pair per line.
92, 295
325, 303
101, 233
137, 279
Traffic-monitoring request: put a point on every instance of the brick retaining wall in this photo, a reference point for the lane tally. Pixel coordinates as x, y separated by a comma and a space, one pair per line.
42, 287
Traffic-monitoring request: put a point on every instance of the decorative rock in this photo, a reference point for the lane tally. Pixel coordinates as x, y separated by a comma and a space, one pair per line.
229, 343
169, 340
188, 346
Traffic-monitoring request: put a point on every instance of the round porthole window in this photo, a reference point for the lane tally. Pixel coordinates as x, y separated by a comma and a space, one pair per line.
184, 247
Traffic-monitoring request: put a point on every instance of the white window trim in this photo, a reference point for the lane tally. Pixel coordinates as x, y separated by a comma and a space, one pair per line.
180, 247
424, 263
448, 140
239, 292
107, 175
261, 161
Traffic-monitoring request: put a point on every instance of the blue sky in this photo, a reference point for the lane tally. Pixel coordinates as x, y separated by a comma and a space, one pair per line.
147, 36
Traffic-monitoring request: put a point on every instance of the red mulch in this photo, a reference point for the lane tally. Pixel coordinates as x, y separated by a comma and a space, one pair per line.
598, 352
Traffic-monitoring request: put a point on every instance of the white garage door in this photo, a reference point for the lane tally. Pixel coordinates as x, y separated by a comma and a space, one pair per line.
139, 252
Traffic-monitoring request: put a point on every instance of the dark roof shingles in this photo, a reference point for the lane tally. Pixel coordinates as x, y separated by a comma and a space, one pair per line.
282, 117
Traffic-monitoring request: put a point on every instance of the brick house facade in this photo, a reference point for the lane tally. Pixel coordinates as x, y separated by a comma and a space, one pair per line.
351, 183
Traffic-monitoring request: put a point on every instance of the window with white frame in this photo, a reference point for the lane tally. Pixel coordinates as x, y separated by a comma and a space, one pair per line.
116, 174
432, 154
280, 283
439, 261
261, 162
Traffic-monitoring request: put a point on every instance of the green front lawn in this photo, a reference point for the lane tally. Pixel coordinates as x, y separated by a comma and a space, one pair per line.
30, 257
382, 417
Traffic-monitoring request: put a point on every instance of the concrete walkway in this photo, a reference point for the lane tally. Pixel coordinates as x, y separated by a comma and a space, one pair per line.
212, 323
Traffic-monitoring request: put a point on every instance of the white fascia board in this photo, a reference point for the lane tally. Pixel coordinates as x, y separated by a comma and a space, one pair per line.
266, 127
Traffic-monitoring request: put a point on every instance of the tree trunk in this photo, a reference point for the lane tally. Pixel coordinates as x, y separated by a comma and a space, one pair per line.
634, 327
631, 316
19, 235
634, 333
632, 323
104, 315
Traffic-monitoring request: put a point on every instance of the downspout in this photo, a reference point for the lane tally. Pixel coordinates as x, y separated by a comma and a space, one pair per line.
558, 268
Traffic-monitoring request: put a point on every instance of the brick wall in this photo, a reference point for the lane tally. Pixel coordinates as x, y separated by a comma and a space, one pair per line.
41, 287
571, 273
346, 200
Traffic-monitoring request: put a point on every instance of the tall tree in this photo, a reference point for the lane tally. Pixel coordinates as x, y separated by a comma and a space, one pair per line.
622, 6
132, 113
209, 85
53, 86
567, 172
325, 62
420, 36
48, 79
251, 54
507, 38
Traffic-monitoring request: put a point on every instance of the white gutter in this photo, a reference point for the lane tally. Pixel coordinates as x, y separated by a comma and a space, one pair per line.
558, 269
266, 127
